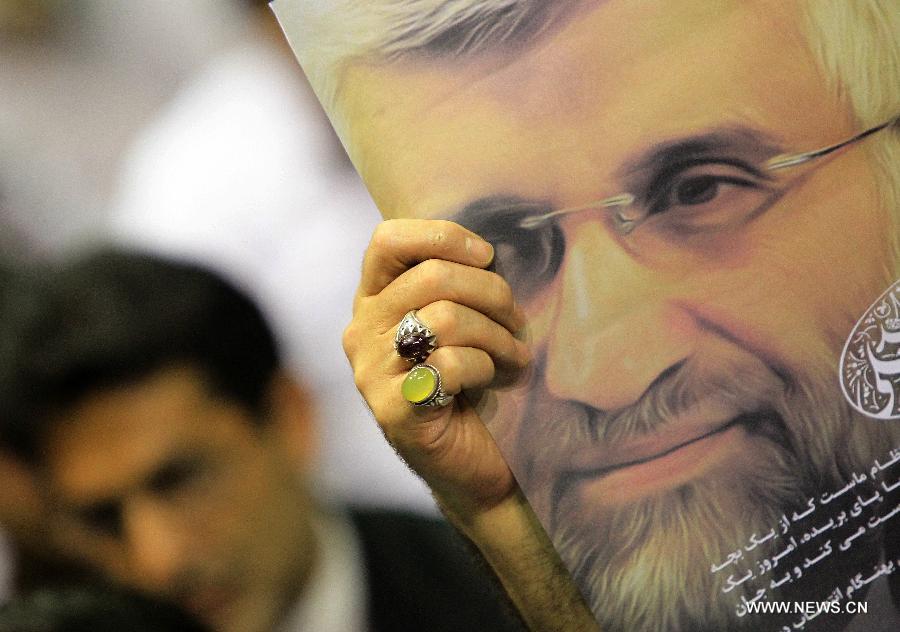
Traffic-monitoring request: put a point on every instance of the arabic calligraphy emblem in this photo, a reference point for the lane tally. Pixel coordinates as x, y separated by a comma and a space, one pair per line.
870, 362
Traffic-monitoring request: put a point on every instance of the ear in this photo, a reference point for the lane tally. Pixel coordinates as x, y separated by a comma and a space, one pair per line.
293, 420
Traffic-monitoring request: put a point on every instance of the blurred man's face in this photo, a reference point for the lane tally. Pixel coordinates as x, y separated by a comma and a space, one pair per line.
176, 492
684, 394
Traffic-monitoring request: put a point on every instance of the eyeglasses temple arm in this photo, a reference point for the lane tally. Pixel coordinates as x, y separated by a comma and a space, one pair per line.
789, 160
539, 220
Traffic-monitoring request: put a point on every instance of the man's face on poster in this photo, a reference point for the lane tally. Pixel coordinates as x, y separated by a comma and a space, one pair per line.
683, 395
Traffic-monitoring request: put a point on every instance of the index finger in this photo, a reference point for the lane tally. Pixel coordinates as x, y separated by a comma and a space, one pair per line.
400, 244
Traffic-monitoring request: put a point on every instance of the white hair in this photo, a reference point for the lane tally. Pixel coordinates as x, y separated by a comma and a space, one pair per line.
328, 35
854, 41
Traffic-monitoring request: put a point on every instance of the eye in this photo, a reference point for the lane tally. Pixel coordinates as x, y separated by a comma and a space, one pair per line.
527, 258
177, 475
707, 195
105, 518
697, 190
699, 185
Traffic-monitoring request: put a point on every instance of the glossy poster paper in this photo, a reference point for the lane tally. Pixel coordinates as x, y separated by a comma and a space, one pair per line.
709, 431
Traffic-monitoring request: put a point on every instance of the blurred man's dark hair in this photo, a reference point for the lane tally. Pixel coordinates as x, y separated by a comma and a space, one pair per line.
113, 318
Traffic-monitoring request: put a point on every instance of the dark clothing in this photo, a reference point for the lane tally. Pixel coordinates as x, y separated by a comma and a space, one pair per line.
35, 570
421, 576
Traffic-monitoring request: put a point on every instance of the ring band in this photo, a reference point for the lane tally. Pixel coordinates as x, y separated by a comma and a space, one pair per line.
414, 341
422, 387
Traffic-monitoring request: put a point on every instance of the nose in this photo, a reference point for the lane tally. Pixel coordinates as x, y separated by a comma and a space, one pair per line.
617, 326
157, 544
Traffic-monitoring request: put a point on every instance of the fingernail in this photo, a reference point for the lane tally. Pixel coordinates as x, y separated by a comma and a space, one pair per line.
480, 249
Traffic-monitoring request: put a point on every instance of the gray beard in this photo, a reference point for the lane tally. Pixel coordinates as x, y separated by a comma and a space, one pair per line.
651, 568
646, 565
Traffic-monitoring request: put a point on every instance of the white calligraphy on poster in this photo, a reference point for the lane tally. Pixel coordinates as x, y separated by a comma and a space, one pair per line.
797, 551
870, 362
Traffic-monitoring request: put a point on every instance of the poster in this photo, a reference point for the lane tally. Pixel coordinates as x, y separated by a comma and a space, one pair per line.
697, 205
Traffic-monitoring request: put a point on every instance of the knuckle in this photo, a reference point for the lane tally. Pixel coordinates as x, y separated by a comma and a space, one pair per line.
349, 340
360, 379
487, 365
384, 235
440, 359
443, 235
455, 362
437, 236
450, 360
442, 316
430, 275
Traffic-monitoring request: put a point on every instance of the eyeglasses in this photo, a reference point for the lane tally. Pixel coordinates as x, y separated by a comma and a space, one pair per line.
688, 201
696, 189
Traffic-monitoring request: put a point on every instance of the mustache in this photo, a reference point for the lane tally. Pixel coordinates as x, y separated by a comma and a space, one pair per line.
799, 413
739, 383
556, 430
742, 385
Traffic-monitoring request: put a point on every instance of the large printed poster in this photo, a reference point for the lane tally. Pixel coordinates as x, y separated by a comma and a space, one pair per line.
696, 202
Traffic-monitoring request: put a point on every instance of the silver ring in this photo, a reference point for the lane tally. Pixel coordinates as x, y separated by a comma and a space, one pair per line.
414, 341
423, 387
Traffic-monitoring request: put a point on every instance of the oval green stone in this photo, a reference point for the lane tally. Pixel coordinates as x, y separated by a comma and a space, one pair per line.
419, 385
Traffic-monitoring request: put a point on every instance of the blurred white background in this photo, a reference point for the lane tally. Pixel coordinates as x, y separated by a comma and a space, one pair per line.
77, 80
96, 100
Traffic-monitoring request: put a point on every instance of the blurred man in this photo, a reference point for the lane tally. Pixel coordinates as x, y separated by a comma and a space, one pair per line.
149, 398
688, 289
241, 172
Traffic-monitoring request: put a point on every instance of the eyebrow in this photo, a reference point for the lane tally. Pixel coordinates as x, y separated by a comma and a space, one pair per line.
475, 210
746, 143
158, 480
749, 145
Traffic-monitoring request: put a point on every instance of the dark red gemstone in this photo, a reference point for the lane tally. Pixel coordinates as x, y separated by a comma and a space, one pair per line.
413, 346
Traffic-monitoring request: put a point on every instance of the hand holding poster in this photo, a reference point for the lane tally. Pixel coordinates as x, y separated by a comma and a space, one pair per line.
694, 203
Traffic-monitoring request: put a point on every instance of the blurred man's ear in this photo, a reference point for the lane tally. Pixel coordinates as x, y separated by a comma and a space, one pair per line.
293, 420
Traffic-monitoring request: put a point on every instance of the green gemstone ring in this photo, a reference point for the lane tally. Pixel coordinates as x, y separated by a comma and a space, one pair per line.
422, 387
